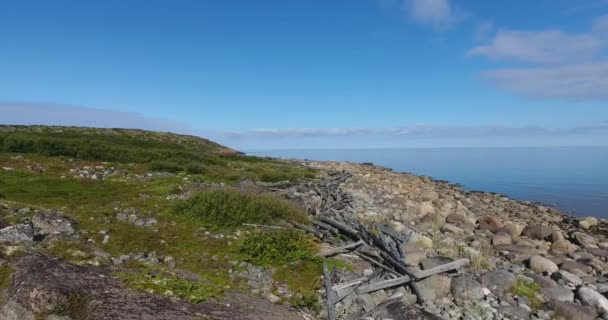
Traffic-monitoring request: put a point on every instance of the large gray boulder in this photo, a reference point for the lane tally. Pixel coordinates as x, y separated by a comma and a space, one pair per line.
52, 223
541, 264
498, 281
17, 233
573, 311
592, 298
466, 287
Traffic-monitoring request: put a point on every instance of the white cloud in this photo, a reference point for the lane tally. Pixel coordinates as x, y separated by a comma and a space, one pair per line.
424, 132
544, 47
577, 81
483, 30
600, 25
439, 14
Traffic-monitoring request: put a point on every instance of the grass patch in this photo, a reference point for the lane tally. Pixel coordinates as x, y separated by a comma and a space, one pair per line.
70, 251
278, 247
5, 277
171, 286
225, 208
530, 290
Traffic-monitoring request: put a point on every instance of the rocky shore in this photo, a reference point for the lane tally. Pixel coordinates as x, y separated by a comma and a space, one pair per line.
527, 261
416, 248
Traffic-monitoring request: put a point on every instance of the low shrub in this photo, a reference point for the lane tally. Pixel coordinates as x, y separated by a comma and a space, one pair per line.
278, 247
164, 166
227, 208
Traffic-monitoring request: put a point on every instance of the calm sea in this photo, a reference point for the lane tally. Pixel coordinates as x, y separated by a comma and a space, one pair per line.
572, 179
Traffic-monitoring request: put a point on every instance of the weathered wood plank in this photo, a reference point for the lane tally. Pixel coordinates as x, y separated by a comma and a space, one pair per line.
342, 249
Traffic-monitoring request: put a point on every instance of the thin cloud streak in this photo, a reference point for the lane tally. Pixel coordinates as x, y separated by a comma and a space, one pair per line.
424, 132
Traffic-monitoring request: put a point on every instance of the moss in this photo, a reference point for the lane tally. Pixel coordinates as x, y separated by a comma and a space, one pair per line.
530, 290
5, 276
226, 208
70, 251
171, 286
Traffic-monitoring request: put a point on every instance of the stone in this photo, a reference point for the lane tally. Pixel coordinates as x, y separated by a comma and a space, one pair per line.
501, 238
567, 277
52, 223
541, 264
582, 239
273, 298
538, 232
498, 281
602, 253
572, 311
576, 268
514, 312
558, 294
587, 222
425, 209
563, 247
452, 229
429, 195
17, 233
435, 261
460, 221
513, 229
491, 223
414, 257
398, 310
379, 296
592, 298
525, 250
466, 287
542, 281
434, 287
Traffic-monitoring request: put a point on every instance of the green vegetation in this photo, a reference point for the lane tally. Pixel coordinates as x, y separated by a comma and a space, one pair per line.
226, 208
155, 151
5, 276
530, 290
171, 286
278, 247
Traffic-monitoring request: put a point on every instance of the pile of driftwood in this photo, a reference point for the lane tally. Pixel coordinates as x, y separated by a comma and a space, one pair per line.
377, 244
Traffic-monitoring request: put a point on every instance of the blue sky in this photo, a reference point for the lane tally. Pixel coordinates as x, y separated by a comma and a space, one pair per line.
313, 73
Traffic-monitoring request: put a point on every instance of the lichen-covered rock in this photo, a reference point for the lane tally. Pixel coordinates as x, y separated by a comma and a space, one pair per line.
592, 298
541, 264
52, 223
466, 287
498, 281
17, 233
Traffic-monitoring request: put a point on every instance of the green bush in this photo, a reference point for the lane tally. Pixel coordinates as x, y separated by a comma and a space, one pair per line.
195, 169
227, 208
278, 247
164, 166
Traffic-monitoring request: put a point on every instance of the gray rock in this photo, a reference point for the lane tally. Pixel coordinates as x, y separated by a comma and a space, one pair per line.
538, 232
17, 233
514, 312
542, 281
396, 310
567, 277
501, 238
576, 268
498, 281
466, 287
414, 257
435, 261
12, 310
592, 298
435, 287
541, 264
573, 311
52, 223
602, 253
460, 220
582, 239
558, 294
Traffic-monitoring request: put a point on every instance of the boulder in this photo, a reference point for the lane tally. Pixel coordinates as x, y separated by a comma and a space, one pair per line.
587, 222
567, 277
434, 287
563, 247
501, 238
17, 233
538, 232
577, 268
491, 223
558, 294
460, 221
52, 223
602, 253
541, 264
572, 311
582, 239
466, 287
498, 281
542, 281
592, 298
513, 229
452, 230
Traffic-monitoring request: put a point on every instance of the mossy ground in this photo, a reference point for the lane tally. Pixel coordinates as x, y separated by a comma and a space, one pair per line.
186, 230
530, 290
